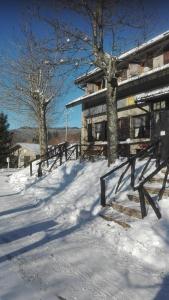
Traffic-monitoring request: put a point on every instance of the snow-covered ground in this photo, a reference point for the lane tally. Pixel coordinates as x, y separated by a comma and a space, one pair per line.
54, 245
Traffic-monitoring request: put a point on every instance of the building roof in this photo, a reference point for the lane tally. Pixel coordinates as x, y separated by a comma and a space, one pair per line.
79, 100
127, 54
88, 75
35, 148
152, 94
145, 45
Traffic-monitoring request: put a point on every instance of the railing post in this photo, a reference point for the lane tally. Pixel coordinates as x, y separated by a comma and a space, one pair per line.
77, 154
133, 173
157, 152
152, 203
103, 192
80, 150
60, 155
66, 153
30, 168
40, 170
142, 202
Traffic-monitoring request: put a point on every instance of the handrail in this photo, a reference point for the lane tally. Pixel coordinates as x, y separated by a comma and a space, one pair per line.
46, 156
139, 154
91, 150
143, 193
131, 163
59, 155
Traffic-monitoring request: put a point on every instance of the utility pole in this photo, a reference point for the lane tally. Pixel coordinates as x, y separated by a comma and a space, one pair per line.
66, 124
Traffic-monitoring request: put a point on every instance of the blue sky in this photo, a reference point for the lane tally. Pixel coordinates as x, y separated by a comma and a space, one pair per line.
11, 16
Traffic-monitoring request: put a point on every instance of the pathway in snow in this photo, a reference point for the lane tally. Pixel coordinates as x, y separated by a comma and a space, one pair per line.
43, 259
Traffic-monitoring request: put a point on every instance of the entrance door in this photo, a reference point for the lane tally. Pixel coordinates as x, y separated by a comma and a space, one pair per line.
160, 128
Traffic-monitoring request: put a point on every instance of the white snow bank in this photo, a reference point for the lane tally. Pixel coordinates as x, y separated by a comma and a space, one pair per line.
71, 195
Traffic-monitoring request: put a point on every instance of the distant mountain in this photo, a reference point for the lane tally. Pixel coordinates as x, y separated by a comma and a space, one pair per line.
55, 135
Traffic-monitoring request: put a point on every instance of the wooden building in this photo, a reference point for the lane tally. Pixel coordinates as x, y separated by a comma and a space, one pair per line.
22, 153
142, 98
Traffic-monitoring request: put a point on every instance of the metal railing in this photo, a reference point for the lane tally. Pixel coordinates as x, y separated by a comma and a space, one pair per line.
91, 151
144, 195
62, 153
52, 151
151, 151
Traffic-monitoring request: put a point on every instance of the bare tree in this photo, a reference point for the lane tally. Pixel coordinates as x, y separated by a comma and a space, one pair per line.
30, 86
105, 20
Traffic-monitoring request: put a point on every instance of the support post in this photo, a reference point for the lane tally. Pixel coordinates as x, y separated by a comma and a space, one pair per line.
153, 204
66, 153
77, 154
40, 170
60, 155
142, 203
133, 173
30, 168
103, 192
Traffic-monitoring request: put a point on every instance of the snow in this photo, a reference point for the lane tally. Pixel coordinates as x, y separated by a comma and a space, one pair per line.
84, 76
80, 99
163, 67
134, 50
54, 245
150, 42
153, 93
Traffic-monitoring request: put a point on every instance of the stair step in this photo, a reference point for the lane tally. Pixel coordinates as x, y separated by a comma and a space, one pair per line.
155, 190
110, 215
158, 180
126, 207
163, 170
136, 198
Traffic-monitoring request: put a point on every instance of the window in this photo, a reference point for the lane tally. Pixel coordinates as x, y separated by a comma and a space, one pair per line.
159, 105
97, 131
141, 126
123, 128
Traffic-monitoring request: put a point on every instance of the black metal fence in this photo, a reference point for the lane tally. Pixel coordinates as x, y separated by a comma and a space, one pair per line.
151, 152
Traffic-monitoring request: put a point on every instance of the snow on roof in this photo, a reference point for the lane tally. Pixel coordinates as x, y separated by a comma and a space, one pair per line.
144, 74
128, 53
154, 93
87, 74
145, 45
79, 100
35, 148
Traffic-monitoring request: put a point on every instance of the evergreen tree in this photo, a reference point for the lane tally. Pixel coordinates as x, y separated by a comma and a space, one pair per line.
5, 139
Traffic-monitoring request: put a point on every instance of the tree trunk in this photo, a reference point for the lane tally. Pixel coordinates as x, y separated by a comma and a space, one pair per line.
111, 123
42, 132
111, 110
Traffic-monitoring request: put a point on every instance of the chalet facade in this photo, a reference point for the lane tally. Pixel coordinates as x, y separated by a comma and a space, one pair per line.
142, 98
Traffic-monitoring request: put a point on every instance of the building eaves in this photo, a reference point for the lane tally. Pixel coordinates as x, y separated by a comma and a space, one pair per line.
145, 45
156, 70
87, 75
79, 100
152, 94
125, 55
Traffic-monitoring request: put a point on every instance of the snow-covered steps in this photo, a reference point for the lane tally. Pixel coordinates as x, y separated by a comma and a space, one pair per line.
134, 197
158, 180
111, 215
124, 212
127, 207
155, 189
